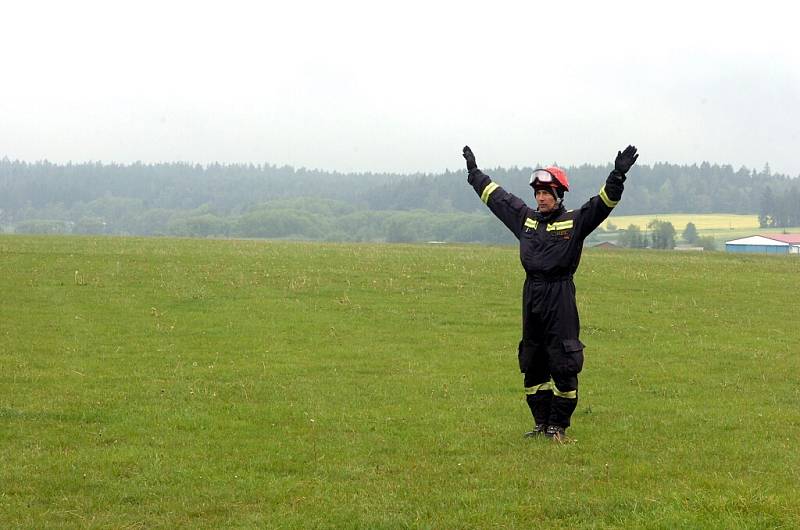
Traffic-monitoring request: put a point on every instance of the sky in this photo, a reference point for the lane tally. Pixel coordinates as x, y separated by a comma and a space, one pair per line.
357, 86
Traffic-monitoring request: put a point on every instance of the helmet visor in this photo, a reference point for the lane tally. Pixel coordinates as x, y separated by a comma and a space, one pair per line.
543, 176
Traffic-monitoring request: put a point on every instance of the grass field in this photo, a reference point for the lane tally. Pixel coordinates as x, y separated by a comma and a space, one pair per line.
191, 383
711, 221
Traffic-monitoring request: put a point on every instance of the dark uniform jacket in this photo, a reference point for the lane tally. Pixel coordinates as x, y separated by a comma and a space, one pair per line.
549, 245
550, 249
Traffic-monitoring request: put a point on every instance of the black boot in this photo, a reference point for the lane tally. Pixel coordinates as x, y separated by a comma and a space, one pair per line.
558, 434
538, 430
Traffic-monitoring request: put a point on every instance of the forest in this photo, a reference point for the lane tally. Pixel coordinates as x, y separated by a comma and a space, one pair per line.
269, 201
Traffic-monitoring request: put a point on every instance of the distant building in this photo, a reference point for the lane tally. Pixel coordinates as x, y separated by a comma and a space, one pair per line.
766, 244
606, 244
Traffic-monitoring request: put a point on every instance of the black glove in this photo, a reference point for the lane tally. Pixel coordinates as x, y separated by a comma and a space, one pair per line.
625, 159
470, 158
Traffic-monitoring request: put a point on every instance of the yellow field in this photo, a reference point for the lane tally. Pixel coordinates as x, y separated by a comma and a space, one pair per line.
710, 221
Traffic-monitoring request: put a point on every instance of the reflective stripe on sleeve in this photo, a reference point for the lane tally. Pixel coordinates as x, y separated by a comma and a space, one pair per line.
604, 197
488, 190
531, 223
530, 390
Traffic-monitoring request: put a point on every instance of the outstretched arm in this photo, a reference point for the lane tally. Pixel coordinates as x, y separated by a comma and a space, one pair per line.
599, 207
506, 206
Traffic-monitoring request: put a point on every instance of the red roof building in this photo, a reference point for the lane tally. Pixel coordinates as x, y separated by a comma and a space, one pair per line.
792, 239
768, 244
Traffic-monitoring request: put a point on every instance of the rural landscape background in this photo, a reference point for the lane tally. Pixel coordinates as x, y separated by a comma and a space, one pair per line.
246, 285
271, 360
267, 201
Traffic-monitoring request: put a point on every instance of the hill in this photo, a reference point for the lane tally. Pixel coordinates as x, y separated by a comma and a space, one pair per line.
268, 201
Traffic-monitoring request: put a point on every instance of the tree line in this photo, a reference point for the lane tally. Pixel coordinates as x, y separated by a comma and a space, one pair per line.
780, 210
661, 234
246, 200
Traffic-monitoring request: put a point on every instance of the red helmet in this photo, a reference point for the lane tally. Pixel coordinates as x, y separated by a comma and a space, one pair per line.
552, 176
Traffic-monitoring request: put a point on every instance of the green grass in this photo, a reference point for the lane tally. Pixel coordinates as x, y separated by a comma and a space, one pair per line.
189, 383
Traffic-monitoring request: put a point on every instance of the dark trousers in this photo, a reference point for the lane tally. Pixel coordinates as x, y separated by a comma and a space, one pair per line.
550, 353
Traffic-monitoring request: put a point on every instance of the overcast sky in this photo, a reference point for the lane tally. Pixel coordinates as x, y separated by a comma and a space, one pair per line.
402, 86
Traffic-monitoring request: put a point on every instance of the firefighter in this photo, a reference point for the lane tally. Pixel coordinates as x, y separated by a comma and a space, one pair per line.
550, 244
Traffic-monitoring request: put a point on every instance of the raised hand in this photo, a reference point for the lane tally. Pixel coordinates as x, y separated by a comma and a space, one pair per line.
470, 158
625, 159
